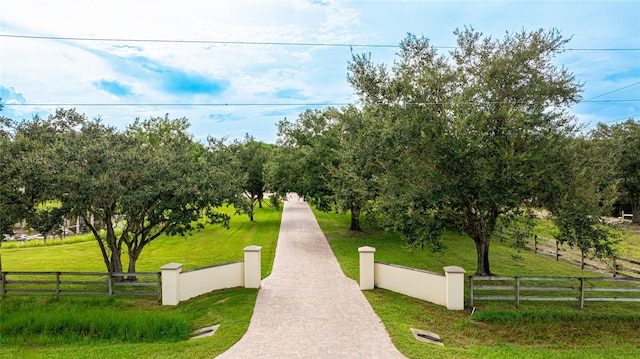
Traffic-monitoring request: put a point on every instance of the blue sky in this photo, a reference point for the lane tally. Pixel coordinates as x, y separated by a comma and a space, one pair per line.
247, 88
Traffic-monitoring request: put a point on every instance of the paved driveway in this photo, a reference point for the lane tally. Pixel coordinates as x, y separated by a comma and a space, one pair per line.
307, 308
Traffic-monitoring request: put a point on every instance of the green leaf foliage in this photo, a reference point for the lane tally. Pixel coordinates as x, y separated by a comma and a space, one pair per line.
151, 178
475, 135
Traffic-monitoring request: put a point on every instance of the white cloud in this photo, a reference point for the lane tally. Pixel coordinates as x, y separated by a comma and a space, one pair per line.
48, 71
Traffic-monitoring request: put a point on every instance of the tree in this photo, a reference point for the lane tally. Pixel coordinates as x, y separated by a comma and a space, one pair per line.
471, 135
620, 146
249, 158
351, 178
584, 194
30, 171
332, 158
46, 219
311, 144
139, 183
10, 194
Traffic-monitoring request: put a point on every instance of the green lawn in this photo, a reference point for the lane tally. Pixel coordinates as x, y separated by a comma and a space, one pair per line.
212, 245
629, 236
629, 246
231, 308
561, 331
497, 329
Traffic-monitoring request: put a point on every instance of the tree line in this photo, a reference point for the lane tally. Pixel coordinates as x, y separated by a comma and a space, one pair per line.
137, 184
468, 140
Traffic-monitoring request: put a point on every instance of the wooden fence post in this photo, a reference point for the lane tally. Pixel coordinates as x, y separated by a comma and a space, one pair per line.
3, 278
517, 292
535, 244
582, 261
471, 291
110, 283
615, 266
557, 250
160, 287
581, 293
57, 285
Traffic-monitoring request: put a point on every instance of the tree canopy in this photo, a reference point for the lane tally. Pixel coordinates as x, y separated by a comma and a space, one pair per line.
328, 158
620, 146
149, 179
472, 136
247, 159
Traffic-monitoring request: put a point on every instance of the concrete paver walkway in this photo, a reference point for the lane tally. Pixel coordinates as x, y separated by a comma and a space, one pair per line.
307, 308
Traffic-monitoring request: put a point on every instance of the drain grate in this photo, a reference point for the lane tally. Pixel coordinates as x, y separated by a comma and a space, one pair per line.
427, 337
204, 332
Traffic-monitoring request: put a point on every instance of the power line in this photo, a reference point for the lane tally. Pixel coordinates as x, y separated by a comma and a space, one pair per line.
622, 118
202, 41
217, 104
276, 43
606, 93
607, 101
259, 104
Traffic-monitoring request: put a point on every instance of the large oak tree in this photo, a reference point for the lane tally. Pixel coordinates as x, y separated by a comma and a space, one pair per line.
138, 184
472, 135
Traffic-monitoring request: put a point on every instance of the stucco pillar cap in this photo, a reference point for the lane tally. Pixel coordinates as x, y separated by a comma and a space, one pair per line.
171, 266
252, 249
454, 269
366, 250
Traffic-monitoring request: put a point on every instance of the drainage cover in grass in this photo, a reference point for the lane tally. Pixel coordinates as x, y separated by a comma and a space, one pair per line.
204, 332
427, 337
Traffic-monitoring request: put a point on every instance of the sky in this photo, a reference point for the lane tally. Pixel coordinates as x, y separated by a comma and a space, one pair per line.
238, 67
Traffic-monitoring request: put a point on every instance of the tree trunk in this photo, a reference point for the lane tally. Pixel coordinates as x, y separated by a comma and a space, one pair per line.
114, 246
133, 258
355, 219
252, 206
635, 210
482, 249
116, 265
103, 250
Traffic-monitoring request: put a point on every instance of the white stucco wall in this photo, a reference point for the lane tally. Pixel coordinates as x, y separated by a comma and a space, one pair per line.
412, 282
204, 280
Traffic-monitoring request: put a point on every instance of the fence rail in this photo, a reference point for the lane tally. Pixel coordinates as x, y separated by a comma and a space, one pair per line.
95, 283
617, 266
565, 288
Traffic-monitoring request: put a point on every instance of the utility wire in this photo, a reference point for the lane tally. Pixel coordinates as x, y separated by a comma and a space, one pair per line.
203, 41
606, 93
212, 104
258, 104
622, 118
37, 37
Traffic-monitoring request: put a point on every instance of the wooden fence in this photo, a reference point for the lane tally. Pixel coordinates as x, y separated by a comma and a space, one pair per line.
80, 283
617, 266
554, 289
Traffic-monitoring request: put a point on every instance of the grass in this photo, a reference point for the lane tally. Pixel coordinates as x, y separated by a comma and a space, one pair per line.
232, 308
212, 245
101, 327
46, 320
629, 236
497, 329
629, 246
86, 237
